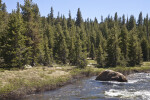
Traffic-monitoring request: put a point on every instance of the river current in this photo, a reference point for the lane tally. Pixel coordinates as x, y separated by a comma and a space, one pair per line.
137, 88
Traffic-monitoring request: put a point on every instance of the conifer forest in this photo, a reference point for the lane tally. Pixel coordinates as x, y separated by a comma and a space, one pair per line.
27, 38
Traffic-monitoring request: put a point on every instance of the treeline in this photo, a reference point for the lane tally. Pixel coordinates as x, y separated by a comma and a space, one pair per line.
28, 38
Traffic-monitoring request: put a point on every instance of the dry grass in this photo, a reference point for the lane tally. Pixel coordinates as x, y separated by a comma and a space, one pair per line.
31, 80
146, 64
37, 73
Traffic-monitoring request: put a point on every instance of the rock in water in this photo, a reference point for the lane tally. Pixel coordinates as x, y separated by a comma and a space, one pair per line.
109, 75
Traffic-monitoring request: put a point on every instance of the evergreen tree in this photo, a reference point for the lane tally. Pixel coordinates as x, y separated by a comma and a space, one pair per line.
65, 31
124, 41
140, 20
31, 39
69, 22
127, 23
147, 27
92, 52
32, 32
48, 44
3, 7
60, 49
135, 51
123, 20
145, 49
47, 52
116, 17
104, 29
79, 19
100, 57
3, 25
72, 55
113, 51
63, 51
131, 23
14, 48
3, 18
0, 4
50, 39
51, 17
81, 60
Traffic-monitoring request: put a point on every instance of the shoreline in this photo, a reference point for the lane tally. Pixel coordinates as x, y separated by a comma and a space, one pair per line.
62, 80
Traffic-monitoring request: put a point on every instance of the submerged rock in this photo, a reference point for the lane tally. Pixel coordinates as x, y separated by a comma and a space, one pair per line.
109, 75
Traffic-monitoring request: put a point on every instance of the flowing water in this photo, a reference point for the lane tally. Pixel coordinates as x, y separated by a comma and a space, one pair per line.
137, 88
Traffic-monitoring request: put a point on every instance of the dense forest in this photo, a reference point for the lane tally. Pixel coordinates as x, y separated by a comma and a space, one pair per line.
26, 38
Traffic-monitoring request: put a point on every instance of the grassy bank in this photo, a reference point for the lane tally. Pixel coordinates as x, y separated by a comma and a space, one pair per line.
145, 67
18, 83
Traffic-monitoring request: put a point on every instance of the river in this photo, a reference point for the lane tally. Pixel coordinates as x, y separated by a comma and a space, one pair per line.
137, 88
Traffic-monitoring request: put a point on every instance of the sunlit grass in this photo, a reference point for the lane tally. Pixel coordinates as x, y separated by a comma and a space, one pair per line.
35, 78
92, 62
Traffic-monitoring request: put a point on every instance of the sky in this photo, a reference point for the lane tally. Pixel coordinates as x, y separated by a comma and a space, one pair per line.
89, 8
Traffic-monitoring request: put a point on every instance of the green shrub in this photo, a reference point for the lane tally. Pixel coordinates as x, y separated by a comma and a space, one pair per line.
82, 61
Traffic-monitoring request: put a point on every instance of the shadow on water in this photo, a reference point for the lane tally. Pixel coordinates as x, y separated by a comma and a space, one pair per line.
137, 88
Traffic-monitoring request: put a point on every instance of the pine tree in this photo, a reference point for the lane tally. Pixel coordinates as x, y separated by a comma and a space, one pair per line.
32, 32
71, 56
116, 17
93, 36
51, 17
79, 19
3, 7
3, 18
147, 26
124, 41
81, 60
57, 31
135, 52
60, 49
47, 53
65, 31
127, 23
92, 52
88, 46
48, 44
140, 20
50, 38
100, 57
1, 59
145, 49
113, 51
3, 25
82, 35
0, 4
100, 39
104, 29
123, 20
69, 22
131, 23
63, 51
14, 48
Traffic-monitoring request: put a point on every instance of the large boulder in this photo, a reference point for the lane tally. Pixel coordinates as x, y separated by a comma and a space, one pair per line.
109, 75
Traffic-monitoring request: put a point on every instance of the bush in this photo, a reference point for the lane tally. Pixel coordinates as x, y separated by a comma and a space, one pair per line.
82, 61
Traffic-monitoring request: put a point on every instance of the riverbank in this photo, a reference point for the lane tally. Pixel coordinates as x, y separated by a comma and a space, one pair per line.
17, 84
